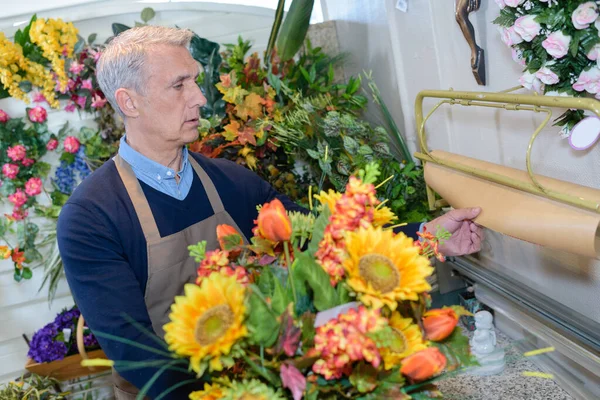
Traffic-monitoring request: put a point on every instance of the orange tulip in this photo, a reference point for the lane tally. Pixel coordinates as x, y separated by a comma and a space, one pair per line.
423, 364
439, 323
274, 223
225, 230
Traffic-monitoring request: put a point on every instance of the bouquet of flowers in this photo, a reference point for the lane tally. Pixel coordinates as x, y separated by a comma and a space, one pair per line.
558, 44
56, 340
325, 306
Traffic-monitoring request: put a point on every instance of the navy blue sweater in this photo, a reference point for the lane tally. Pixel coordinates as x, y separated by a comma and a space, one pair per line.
105, 259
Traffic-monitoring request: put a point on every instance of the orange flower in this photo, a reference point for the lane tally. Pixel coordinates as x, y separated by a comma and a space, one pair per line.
439, 323
225, 230
423, 364
274, 223
4, 252
18, 257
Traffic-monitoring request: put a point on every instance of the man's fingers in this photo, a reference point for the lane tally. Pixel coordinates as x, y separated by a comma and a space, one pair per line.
476, 242
463, 214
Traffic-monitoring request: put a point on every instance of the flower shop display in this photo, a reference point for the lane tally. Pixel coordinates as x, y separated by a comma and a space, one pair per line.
557, 42
327, 305
53, 349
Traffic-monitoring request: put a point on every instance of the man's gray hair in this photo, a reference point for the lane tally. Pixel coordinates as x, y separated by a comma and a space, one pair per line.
121, 64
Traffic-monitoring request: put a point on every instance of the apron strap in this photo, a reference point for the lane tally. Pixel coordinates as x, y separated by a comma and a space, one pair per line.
209, 187
138, 198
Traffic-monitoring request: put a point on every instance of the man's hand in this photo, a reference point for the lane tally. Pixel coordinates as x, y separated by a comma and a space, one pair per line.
466, 235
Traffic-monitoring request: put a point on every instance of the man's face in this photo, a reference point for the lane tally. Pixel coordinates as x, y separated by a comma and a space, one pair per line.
170, 108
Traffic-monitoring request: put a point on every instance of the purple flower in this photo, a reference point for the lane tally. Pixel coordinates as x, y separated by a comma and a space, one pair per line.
44, 348
90, 340
67, 319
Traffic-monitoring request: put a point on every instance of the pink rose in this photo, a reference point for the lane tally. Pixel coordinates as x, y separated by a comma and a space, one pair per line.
557, 44
81, 100
70, 107
584, 15
76, 67
501, 4
18, 198
594, 52
52, 144
86, 84
531, 82
589, 81
510, 37
71, 144
546, 75
517, 56
16, 153
27, 162
10, 170
33, 186
3, 116
527, 27
19, 214
98, 102
513, 3
37, 114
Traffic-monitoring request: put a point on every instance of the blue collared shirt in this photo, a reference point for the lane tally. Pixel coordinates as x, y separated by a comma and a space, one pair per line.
158, 176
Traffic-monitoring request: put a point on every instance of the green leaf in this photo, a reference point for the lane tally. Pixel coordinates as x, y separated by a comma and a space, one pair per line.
343, 294
58, 198
17, 276
351, 145
313, 154
42, 168
280, 299
574, 46
325, 295
308, 330
319, 228
69, 158
506, 18
27, 274
198, 251
275, 28
118, 28
294, 28
147, 14
25, 86
7, 188
457, 351
31, 254
79, 45
91, 38
231, 242
364, 377
353, 85
365, 150
261, 321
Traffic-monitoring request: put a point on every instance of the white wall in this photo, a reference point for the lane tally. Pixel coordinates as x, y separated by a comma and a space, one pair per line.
428, 51
22, 309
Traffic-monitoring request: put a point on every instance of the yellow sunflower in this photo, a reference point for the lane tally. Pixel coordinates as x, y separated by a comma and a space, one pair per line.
384, 268
214, 392
407, 339
207, 322
381, 216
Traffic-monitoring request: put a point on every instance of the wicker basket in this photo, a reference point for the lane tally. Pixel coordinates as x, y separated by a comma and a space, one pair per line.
69, 367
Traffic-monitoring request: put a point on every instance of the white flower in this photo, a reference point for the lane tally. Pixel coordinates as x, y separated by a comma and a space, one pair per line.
513, 3
594, 52
531, 82
589, 81
527, 27
501, 4
584, 15
557, 44
547, 76
510, 37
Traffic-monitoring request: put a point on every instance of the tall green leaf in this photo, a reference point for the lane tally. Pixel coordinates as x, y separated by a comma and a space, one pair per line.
118, 28
294, 28
325, 295
275, 28
262, 322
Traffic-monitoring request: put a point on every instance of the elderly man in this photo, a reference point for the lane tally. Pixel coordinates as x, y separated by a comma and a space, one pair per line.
123, 234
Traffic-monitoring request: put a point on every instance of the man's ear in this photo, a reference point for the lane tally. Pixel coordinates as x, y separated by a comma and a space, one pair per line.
127, 101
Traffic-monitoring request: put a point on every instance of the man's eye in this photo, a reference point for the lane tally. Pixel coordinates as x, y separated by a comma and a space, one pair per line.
178, 86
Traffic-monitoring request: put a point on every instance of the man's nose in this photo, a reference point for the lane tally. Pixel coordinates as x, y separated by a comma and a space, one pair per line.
198, 98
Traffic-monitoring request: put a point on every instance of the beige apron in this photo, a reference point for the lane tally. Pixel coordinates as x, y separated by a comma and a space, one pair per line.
170, 266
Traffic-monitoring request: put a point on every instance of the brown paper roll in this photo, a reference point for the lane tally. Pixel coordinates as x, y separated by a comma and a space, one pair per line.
516, 213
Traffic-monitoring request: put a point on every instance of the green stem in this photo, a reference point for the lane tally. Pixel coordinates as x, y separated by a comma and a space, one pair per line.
290, 270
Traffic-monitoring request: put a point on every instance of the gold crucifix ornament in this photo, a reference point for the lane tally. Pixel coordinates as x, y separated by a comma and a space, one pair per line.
462, 10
